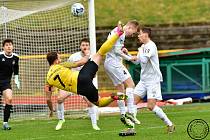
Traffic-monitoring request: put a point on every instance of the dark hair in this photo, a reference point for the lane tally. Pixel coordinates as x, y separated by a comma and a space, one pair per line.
51, 57
135, 23
84, 40
7, 41
148, 31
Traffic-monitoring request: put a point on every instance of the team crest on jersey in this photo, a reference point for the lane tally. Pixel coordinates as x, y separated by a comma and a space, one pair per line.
3, 59
13, 62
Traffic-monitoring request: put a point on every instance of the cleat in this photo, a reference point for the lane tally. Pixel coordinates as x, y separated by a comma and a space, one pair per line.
6, 126
132, 118
59, 125
119, 30
128, 132
171, 129
120, 26
127, 122
119, 97
95, 127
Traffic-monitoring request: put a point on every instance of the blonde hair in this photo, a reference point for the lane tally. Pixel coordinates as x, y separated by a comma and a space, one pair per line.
135, 24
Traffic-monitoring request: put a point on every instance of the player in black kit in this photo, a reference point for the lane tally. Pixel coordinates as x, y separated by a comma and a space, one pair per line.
8, 66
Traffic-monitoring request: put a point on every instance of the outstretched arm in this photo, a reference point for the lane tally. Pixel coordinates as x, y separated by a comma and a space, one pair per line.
75, 64
123, 53
48, 91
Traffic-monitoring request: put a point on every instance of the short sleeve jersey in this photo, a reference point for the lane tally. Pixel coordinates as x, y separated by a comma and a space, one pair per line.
62, 78
150, 72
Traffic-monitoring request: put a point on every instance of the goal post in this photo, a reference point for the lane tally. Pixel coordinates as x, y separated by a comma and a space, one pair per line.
92, 32
37, 28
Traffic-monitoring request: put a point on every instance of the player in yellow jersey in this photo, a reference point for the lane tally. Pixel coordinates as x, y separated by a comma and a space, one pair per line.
80, 82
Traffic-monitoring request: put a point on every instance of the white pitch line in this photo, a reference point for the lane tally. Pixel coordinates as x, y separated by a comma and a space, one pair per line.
91, 133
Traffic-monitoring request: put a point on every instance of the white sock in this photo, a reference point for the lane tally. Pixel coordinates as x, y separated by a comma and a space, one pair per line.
130, 100
93, 114
135, 111
159, 112
121, 104
60, 111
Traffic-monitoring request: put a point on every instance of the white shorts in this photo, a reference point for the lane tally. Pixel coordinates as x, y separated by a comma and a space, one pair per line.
117, 73
153, 91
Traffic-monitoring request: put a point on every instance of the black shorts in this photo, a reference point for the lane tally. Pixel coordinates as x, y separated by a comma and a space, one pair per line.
85, 85
4, 86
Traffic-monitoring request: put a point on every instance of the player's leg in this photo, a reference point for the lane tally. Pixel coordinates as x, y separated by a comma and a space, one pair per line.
49, 103
86, 87
111, 70
139, 93
154, 94
91, 93
121, 104
92, 66
129, 92
159, 113
105, 101
7, 94
137, 99
107, 45
115, 72
93, 113
130, 101
123, 76
117, 75
62, 95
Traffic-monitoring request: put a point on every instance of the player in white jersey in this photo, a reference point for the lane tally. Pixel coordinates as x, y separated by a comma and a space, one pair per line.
119, 75
93, 110
150, 77
85, 51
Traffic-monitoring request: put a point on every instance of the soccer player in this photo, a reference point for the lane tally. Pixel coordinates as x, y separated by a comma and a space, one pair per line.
80, 82
85, 51
119, 75
9, 65
151, 76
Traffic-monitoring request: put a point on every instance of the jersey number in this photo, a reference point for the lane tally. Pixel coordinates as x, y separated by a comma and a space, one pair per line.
146, 50
59, 79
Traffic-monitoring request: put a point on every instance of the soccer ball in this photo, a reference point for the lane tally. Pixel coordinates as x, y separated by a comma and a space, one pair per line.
77, 9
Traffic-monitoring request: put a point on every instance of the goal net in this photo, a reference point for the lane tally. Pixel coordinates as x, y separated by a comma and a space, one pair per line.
36, 28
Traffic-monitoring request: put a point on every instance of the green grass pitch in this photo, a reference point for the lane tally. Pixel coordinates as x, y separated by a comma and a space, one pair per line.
151, 127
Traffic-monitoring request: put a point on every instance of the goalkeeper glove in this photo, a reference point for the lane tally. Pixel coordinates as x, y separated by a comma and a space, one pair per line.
17, 82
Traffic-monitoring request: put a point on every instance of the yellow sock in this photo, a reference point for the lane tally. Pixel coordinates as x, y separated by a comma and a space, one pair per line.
104, 101
107, 46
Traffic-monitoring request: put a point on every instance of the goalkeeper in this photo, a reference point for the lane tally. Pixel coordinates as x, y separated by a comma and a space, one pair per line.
9, 64
80, 82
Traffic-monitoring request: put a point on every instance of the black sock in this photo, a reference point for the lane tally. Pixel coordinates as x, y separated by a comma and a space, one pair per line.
7, 111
